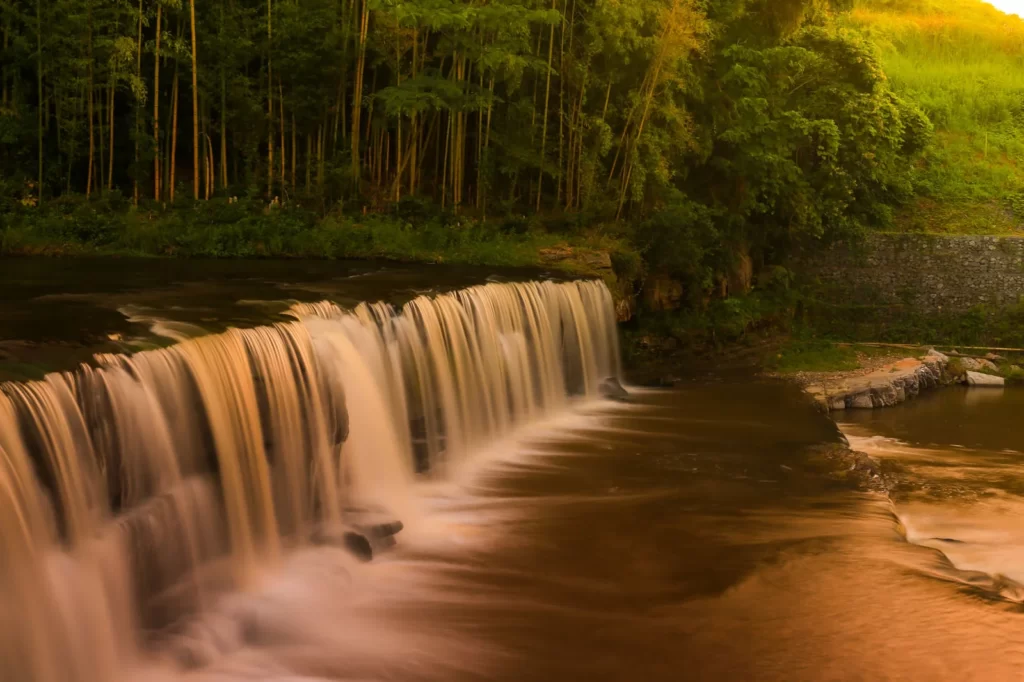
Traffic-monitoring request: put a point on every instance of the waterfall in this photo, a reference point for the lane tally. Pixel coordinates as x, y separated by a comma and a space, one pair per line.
128, 487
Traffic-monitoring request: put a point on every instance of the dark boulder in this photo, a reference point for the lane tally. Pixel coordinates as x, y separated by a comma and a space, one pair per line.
358, 546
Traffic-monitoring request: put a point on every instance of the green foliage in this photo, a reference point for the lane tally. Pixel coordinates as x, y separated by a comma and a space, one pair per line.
688, 137
219, 229
818, 143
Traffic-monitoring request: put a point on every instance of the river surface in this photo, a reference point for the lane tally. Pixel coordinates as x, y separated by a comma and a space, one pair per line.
58, 312
682, 536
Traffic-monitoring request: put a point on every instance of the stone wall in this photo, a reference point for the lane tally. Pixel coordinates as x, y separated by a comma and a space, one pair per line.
928, 272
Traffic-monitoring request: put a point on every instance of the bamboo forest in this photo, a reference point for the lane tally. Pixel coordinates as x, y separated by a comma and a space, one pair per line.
760, 121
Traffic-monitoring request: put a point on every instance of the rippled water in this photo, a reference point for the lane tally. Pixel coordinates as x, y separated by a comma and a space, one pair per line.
680, 537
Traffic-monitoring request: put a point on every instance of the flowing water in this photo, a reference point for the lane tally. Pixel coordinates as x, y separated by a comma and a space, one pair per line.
173, 513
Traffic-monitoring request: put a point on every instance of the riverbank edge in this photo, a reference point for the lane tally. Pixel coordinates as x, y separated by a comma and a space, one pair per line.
891, 385
888, 386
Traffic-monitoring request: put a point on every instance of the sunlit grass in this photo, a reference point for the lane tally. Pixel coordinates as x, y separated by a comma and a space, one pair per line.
962, 61
816, 355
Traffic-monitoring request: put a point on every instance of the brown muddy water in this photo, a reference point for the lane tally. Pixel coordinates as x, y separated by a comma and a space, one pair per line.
158, 508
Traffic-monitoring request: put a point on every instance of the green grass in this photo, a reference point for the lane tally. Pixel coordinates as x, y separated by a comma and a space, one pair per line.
228, 230
819, 355
932, 216
814, 356
962, 61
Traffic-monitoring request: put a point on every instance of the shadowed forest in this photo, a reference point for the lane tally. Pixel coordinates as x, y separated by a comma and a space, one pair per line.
681, 135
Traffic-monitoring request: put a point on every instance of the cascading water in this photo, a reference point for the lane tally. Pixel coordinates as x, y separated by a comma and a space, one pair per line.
132, 488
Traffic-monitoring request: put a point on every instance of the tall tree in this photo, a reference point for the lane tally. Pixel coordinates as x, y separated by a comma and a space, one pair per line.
195, 102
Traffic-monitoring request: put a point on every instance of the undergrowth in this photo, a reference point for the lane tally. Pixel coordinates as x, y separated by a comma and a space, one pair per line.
219, 229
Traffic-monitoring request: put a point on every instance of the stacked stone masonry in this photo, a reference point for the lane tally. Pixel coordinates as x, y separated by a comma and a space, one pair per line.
929, 272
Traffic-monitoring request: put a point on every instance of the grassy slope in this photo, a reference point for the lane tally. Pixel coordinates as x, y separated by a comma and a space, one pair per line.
963, 62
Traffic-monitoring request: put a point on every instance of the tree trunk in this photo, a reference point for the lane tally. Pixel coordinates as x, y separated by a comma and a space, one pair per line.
444, 174
320, 157
270, 104
110, 127
309, 161
357, 91
175, 89
223, 129
138, 75
101, 156
544, 126
89, 105
6, 69
156, 108
195, 103
280, 108
39, 91
487, 133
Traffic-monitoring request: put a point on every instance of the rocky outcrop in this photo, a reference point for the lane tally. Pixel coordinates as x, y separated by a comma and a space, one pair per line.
662, 293
595, 263
978, 364
898, 382
891, 385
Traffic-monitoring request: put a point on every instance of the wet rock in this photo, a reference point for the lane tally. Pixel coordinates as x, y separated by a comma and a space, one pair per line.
612, 389
862, 401
978, 365
625, 308
887, 386
984, 380
356, 544
367, 531
886, 396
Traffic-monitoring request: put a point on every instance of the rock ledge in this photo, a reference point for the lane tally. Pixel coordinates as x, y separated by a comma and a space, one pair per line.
890, 385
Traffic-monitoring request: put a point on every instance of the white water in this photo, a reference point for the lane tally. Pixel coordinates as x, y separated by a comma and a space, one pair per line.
134, 492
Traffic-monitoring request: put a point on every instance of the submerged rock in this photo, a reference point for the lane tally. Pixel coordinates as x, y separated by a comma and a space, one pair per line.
984, 380
366, 533
357, 544
612, 389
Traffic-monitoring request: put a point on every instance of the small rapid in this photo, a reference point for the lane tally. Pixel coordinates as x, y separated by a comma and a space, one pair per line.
138, 491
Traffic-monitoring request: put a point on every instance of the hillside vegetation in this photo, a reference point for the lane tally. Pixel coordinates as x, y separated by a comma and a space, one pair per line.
962, 62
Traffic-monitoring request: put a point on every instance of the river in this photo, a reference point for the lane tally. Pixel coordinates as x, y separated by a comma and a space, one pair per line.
550, 534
